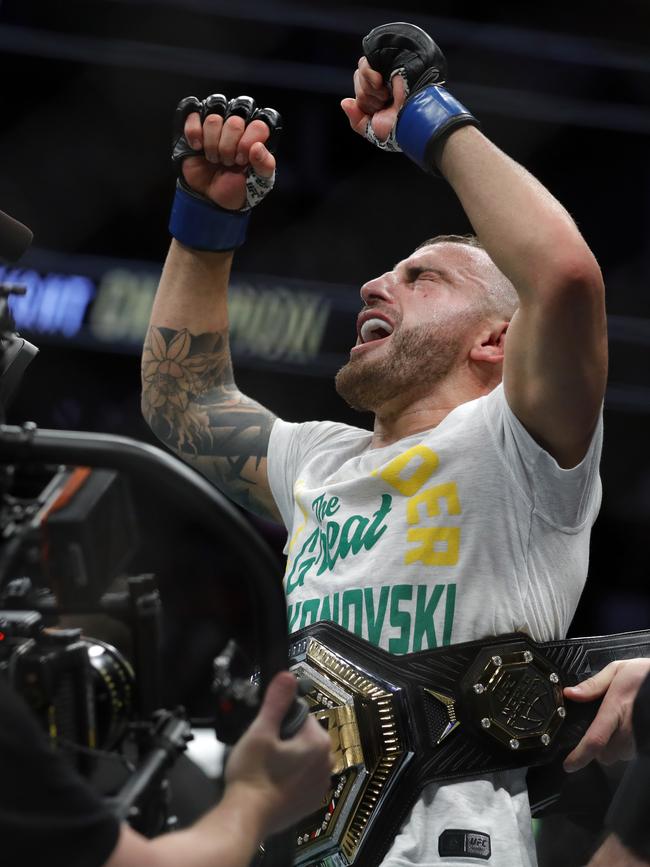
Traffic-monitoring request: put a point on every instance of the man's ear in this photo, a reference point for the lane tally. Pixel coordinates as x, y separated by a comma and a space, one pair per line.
489, 346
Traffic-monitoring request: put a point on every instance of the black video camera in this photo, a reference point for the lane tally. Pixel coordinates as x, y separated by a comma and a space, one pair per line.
66, 536
67, 532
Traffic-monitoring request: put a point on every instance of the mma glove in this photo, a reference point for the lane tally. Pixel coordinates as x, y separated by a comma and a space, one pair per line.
430, 111
196, 221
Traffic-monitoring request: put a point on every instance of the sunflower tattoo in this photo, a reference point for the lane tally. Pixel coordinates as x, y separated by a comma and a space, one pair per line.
191, 402
174, 379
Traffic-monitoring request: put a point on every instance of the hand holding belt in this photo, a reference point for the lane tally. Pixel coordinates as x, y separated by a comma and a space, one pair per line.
398, 723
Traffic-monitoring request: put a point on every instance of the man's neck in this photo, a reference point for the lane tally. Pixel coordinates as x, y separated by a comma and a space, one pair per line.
408, 415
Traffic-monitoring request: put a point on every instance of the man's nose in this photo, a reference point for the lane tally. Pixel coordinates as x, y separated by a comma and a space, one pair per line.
378, 289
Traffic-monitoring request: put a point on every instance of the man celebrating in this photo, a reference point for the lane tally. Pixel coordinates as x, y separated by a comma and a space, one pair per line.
467, 510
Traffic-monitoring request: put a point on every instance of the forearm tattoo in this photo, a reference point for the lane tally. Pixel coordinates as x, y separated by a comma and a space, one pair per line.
191, 402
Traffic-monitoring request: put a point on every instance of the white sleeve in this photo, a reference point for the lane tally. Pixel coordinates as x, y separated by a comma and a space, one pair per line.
565, 498
290, 444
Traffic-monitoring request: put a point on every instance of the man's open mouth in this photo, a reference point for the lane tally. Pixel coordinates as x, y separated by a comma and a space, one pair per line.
375, 329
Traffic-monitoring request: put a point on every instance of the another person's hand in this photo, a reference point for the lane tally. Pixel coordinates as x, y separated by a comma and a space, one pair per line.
284, 779
612, 853
231, 151
609, 738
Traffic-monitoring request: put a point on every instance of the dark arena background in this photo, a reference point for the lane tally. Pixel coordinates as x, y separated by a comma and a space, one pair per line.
88, 94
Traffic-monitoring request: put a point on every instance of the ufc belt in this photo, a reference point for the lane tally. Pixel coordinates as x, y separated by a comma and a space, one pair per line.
398, 723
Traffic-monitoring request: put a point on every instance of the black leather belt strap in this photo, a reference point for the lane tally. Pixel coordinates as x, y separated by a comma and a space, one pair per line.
402, 722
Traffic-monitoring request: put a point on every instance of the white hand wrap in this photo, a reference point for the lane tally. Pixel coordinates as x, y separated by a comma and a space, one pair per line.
257, 188
389, 144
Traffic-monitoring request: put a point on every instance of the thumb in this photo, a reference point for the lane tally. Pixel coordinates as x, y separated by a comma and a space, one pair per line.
593, 687
358, 120
277, 701
262, 160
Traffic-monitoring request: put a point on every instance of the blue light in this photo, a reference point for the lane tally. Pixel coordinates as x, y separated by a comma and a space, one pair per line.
53, 304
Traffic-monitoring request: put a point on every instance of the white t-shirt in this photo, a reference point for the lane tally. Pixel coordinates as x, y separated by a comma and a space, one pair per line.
467, 530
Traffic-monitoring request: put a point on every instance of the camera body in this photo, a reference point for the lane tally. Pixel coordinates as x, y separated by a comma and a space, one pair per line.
67, 535
67, 532
80, 689
99, 705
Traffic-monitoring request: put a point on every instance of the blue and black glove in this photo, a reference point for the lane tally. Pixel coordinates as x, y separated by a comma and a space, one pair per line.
430, 111
196, 221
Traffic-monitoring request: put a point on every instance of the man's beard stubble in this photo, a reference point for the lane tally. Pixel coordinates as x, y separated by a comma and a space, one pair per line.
417, 359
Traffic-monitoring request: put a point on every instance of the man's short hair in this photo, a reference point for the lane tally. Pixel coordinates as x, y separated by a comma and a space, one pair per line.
468, 240
502, 298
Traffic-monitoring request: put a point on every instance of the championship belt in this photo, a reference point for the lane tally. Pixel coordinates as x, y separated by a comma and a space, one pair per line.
398, 723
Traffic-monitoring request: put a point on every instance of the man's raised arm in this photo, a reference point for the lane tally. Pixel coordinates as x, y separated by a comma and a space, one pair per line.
556, 350
555, 364
189, 396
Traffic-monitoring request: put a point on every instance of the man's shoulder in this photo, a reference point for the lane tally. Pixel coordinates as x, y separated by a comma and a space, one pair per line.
319, 430
480, 410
